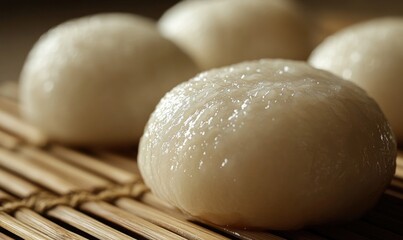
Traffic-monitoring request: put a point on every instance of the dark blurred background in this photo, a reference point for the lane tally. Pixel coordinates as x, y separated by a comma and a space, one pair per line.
22, 22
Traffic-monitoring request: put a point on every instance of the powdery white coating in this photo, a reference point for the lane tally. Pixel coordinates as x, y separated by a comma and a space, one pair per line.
371, 55
268, 144
222, 32
95, 80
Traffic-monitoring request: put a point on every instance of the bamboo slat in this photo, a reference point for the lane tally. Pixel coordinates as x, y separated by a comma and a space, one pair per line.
399, 159
394, 193
371, 231
19, 228
336, 233
44, 225
23, 130
399, 172
86, 224
19, 187
93, 164
118, 160
181, 227
5, 237
129, 221
77, 175
381, 219
389, 208
5, 197
301, 235
35, 172
8, 141
248, 235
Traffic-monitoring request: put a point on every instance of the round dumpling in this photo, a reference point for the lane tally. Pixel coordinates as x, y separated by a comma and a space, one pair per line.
95, 80
268, 144
221, 32
371, 55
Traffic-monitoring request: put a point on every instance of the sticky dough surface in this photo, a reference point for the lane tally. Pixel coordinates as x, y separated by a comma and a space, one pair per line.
222, 32
371, 55
268, 144
95, 80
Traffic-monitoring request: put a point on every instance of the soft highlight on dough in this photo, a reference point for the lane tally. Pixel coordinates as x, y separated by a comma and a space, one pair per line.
270, 144
222, 32
371, 55
95, 80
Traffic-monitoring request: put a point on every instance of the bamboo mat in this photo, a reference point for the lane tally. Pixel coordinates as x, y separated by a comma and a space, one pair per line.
49, 191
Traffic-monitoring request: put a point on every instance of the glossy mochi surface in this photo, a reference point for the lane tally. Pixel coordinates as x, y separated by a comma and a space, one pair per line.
95, 80
222, 32
371, 55
268, 144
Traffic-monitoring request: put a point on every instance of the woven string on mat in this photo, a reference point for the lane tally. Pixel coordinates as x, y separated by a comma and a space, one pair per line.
44, 201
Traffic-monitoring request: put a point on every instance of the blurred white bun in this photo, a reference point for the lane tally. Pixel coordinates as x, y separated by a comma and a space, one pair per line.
371, 55
221, 32
95, 80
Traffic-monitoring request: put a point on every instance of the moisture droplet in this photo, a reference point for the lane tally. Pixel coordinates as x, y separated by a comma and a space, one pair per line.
224, 163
